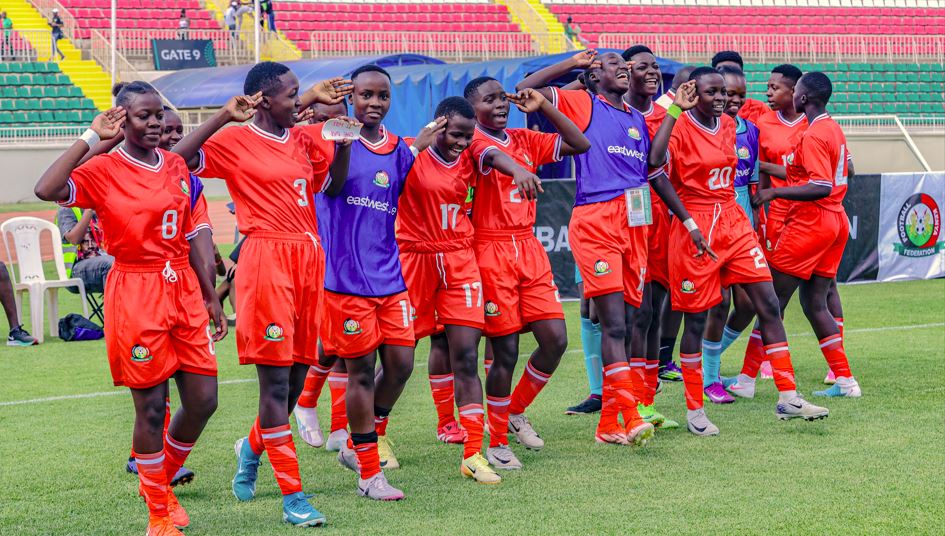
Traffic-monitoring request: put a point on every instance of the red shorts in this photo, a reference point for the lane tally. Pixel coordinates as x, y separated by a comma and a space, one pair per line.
444, 287
356, 326
811, 243
156, 325
773, 229
610, 254
657, 263
696, 282
279, 281
517, 282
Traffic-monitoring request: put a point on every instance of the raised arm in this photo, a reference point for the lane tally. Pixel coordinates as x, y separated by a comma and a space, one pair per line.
540, 79
103, 147
685, 99
53, 184
331, 91
239, 108
573, 140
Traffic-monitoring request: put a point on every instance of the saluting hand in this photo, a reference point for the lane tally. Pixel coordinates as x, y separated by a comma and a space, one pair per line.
331, 91
242, 107
584, 58
527, 100
686, 96
108, 123
428, 134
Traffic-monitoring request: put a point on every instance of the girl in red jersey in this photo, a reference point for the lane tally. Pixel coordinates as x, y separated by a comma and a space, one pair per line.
141, 197
701, 149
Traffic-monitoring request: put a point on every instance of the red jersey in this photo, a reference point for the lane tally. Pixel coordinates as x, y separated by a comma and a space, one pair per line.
703, 161
821, 157
776, 140
432, 205
201, 214
270, 178
753, 109
497, 203
654, 118
144, 210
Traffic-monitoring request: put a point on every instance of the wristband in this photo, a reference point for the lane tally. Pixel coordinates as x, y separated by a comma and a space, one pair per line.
674, 111
90, 137
414, 151
690, 225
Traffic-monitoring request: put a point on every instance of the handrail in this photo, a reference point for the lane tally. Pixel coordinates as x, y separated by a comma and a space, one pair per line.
69, 24
450, 46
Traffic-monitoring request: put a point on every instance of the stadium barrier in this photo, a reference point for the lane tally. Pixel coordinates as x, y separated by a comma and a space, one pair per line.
895, 228
135, 45
699, 48
449, 46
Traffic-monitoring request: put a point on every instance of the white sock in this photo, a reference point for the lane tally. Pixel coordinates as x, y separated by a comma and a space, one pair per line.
787, 396
693, 413
744, 378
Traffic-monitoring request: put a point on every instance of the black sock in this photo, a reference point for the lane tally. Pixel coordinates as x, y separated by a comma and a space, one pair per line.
667, 345
360, 439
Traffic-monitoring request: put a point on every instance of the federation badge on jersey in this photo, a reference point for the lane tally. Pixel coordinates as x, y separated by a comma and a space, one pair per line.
743, 153
789, 160
274, 333
184, 187
382, 179
528, 160
352, 327
141, 354
687, 287
633, 133
601, 267
492, 309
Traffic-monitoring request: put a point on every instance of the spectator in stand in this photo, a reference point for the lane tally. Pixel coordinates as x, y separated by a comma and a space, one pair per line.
573, 31
245, 7
18, 336
265, 7
183, 25
7, 31
82, 241
56, 24
229, 18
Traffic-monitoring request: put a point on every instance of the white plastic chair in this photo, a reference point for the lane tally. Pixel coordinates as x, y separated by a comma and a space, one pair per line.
30, 278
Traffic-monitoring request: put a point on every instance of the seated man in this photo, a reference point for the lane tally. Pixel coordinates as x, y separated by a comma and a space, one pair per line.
82, 247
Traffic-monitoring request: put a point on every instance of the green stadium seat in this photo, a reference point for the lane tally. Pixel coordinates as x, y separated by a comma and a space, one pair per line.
4, 67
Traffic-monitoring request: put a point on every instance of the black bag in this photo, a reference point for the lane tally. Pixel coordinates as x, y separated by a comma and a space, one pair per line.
78, 328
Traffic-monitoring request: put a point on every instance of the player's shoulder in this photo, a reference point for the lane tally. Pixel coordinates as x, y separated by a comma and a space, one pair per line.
172, 160
766, 119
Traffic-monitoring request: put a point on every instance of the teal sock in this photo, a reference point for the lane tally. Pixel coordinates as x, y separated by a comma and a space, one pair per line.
729, 336
711, 361
590, 339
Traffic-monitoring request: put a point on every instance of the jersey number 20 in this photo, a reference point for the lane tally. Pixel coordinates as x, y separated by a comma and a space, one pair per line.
720, 178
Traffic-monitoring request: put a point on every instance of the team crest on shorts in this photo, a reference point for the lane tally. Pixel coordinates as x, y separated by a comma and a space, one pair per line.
184, 187
601, 268
687, 287
492, 309
274, 333
141, 354
352, 327
633, 133
743, 153
382, 179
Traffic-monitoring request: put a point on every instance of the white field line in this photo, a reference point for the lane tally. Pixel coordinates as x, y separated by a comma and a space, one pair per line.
572, 351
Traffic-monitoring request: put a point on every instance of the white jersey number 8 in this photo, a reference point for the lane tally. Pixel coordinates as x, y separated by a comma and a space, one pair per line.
169, 225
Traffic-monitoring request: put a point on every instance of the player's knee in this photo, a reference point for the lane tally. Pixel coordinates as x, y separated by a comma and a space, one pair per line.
769, 308
613, 331
277, 394
465, 362
204, 406
402, 371
557, 344
151, 416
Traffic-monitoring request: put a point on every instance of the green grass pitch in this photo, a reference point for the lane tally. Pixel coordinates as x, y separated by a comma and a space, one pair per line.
876, 466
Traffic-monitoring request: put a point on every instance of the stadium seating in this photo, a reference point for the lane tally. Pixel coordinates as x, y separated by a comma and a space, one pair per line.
298, 19
657, 19
36, 94
138, 14
869, 88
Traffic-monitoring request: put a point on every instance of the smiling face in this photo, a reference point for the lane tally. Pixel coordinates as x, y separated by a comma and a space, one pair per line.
456, 137
282, 101
491, 105
710, 89
144, 120
173, 130
736, 92
780, 92
371, 98
645, 74
612, 75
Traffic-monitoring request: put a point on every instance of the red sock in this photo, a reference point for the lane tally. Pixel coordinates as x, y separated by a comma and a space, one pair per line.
619, 387
487, 365
255, 439
652, 380
692, 379
754, 355
175, 454
167, 414
498, 407
780, 357
441, 386
470, 417
368, 460
380, 425
314, 381
337, 385
285, 463
532, 382
153, 481
638, 377
836, 356
610, 408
